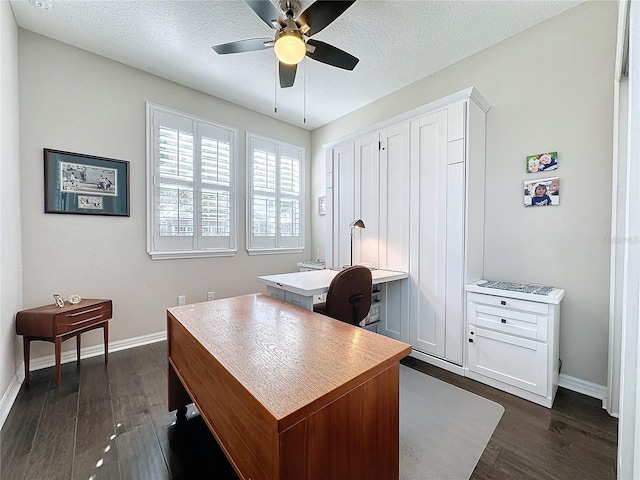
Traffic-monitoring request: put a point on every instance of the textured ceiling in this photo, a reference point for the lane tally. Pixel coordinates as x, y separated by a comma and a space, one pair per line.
398, 42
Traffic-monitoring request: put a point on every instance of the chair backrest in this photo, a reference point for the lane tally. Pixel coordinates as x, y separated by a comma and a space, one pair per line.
349, 295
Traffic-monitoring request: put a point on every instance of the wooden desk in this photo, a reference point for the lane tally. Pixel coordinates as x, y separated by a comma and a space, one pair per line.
289, 394
51, 323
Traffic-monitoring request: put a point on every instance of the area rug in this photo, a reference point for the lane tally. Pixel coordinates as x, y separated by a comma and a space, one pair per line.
443, 429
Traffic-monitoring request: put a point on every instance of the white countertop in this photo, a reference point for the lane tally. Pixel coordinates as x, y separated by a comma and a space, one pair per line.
554, 296
317, 281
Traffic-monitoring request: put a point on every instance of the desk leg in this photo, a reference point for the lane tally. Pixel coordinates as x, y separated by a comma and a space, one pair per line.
106, 342
78, 348
178, 398
26, 348
307, 303
58, 343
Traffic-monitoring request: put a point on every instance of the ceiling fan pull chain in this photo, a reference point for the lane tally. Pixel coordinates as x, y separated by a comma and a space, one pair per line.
304, 96
275, 91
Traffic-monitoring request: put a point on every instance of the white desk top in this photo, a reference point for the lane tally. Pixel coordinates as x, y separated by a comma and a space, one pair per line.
317, 281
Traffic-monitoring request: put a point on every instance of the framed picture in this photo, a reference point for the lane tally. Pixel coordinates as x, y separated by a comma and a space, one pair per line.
542, 192
542, 162
322, 205
85, 184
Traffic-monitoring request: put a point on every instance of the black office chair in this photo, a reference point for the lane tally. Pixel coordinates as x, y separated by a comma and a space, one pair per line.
349, 296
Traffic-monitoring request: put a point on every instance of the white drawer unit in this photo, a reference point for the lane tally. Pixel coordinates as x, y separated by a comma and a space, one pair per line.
512, 341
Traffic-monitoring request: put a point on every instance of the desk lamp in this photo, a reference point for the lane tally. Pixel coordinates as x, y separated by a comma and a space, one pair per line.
355, 224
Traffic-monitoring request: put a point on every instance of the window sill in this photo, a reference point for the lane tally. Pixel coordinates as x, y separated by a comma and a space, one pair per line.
191, 254
274, 251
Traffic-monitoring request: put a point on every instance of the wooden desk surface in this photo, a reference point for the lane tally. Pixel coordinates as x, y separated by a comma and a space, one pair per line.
291, 360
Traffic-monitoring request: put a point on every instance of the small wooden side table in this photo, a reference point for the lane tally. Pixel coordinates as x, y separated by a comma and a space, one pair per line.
51, 323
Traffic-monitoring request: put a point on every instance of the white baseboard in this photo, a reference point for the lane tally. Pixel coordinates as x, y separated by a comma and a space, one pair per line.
570, 383
438, 362
95, 350
11, 393
9, 398
585, 387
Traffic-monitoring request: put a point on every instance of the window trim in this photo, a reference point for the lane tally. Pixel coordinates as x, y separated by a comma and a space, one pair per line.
249, 188
151, 109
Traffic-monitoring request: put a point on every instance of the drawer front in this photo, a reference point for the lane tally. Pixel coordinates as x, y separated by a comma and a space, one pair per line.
515, 361
275, 292
82, 318
509, 303
514, 322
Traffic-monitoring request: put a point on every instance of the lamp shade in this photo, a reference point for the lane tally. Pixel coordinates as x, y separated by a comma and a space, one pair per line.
290, 48
357, 224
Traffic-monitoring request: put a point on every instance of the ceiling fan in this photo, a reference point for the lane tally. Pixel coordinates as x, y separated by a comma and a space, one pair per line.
292, 39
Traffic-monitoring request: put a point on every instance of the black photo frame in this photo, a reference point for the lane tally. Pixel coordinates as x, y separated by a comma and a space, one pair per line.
85, 184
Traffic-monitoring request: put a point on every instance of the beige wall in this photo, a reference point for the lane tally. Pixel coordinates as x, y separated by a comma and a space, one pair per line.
75, 101
10, 256
551, 89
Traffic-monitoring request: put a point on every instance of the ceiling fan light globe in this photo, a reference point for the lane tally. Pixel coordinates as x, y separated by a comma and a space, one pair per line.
290, 48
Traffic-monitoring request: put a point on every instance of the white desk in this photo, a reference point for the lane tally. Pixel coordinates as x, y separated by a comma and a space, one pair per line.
299, 288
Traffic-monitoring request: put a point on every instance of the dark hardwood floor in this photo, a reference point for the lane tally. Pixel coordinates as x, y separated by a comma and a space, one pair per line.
111, 422
576, 439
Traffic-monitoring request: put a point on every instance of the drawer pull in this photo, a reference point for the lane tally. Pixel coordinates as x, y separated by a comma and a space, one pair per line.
503, 302
85, 321
471, 340
88, 310
503, 320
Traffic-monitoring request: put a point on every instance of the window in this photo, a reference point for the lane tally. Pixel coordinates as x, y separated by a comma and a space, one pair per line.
275, 204
190, 186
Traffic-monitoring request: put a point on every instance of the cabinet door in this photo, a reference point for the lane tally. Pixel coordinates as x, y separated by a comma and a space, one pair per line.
428, 240
394, 198
343, 203
367, 200
516, 361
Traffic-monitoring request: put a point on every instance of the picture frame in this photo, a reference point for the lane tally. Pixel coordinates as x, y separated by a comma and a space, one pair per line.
542, 192
82, 184
541, 162
322, 205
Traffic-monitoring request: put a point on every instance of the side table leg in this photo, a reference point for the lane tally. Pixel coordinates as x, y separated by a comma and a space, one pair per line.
26, 348
106, 341
58, 343
78, 347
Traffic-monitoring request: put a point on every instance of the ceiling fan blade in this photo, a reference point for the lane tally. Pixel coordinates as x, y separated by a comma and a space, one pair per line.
331, 55
287, 75
250, 45
265, 10
321, 13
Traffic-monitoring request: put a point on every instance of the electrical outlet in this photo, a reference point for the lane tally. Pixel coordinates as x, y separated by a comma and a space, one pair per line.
182, 299
211, 296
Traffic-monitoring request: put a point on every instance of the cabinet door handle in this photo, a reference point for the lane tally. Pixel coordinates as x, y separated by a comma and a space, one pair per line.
503, 320
471, 340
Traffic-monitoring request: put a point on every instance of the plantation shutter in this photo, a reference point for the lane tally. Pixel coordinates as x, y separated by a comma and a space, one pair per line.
275, 203
192, 188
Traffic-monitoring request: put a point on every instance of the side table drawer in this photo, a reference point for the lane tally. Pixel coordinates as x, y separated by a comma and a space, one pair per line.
79, 319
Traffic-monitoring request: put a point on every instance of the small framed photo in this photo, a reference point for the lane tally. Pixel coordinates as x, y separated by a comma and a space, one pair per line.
322, 205
542, 192
85, 184
542, 162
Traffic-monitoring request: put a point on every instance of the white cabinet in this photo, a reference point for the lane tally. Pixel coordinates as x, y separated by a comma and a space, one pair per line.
417, 182
447, 224
368, 179
512, 341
